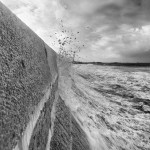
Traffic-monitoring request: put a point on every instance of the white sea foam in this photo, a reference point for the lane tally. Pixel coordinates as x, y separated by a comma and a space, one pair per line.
107, 101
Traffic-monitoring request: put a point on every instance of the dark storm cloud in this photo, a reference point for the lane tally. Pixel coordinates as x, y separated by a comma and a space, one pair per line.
98, 12
113, 30
122, 24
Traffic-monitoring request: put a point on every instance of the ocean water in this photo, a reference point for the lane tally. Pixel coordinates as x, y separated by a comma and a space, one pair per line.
111, 104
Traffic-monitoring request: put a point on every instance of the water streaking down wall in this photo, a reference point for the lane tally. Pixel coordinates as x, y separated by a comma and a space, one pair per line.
32, 114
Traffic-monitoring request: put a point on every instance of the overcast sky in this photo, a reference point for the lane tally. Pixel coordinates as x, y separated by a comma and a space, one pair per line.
105, 30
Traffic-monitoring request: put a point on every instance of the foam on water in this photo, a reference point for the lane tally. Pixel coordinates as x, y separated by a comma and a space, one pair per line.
111, 104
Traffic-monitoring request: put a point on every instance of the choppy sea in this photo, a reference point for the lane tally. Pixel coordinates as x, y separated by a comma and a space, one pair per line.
111, 104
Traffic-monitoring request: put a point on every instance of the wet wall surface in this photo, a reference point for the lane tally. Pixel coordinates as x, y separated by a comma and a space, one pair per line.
32, 114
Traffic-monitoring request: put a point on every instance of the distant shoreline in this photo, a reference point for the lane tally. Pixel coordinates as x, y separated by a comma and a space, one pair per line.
115, 64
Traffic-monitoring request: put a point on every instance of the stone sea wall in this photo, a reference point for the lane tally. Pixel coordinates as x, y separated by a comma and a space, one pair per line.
32, 114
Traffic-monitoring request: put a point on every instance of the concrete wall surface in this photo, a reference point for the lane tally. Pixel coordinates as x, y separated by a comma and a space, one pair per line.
32, 115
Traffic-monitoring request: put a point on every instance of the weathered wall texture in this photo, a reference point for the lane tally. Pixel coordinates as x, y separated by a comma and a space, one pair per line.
68, 135
32, 115
25, 77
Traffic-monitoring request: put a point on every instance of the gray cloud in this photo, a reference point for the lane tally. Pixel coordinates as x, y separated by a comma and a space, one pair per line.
109, 12
113, 30
111, 16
